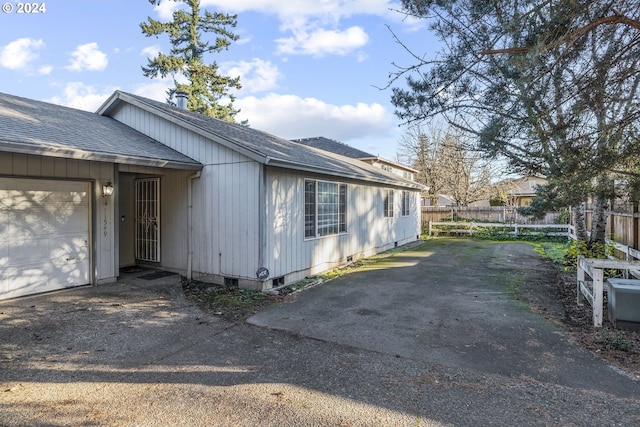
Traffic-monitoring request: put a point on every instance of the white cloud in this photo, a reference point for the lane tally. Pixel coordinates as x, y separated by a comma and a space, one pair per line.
81, 96
289, 116
325, 9
156, 90
19, 53
88, 57
165, 9
321, 42
312, 27
45, 70
255, 75
151, 51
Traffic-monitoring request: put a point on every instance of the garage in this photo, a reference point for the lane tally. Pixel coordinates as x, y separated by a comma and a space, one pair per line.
44, 235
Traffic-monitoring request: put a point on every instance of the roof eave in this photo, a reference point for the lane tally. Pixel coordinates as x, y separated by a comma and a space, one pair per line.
330, 172
76, 154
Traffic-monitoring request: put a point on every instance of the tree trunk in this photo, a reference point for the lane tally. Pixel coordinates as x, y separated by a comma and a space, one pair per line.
598, 221
580, 223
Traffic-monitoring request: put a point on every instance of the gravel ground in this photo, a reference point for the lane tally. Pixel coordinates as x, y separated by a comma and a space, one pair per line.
140, 354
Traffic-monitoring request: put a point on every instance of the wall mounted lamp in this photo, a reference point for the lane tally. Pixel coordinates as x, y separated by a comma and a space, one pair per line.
107, 190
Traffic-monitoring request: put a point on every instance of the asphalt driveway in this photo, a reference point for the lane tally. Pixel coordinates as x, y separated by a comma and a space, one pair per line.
453, 303
434, 336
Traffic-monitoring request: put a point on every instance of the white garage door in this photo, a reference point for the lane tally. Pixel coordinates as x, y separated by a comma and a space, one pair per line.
44, 235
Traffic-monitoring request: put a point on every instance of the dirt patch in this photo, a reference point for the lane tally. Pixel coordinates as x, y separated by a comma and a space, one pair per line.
552, 294
231, 304
619, 347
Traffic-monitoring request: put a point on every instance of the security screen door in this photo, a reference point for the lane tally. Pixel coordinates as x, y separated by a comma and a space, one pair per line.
148, 219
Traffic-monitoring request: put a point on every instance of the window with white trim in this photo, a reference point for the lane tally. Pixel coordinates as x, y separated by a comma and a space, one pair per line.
388, 203
406, 197
325, 208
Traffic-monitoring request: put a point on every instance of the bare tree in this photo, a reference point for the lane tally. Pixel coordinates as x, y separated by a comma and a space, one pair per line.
420, 148
467, 176
446, 164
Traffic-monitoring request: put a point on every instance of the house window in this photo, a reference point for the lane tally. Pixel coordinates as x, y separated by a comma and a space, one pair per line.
405, 203
388, 204
325, 208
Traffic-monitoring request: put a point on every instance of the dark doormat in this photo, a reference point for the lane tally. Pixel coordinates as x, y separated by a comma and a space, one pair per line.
133, 269
156, 275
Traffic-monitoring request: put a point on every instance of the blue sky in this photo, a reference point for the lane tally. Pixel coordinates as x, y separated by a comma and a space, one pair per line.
308, 67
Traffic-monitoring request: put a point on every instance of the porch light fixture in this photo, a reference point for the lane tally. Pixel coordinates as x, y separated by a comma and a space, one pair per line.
107, 190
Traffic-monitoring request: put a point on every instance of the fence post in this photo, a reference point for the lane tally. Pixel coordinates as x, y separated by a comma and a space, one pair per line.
429, 228
580, 280
634, 224
598, 299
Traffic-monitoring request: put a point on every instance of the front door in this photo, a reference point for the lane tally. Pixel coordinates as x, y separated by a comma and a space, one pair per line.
147, 201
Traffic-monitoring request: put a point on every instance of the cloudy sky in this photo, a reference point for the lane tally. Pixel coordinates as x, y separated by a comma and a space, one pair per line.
308, 67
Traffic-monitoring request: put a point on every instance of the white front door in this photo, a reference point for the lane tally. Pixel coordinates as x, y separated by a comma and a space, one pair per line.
44, 235
147, 201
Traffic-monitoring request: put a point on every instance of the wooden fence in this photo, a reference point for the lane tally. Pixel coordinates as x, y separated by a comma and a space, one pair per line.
623, 228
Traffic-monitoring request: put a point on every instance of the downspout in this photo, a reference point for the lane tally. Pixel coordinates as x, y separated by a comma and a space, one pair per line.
262, 216
190, 224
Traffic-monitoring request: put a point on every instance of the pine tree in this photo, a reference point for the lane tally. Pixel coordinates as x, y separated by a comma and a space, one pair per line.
551, 87
210, 93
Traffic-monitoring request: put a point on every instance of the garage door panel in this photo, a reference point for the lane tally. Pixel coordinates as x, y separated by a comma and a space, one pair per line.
43, 277
70, 249
25, 251
41, 220
44, 235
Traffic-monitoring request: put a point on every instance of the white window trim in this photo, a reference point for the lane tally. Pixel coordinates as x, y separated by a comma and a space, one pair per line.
388, 203
406, 203
340, 186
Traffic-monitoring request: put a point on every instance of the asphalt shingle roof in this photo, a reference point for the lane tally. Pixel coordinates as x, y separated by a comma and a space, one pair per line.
334, 146
36, 127
263, 146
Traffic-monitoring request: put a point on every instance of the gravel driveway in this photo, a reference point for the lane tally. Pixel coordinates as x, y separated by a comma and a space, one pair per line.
434, 336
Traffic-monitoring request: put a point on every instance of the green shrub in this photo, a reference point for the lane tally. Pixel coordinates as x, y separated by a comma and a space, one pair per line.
582, 248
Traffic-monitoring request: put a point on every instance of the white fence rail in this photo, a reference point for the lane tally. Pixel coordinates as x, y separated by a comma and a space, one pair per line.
464, 227
593, 290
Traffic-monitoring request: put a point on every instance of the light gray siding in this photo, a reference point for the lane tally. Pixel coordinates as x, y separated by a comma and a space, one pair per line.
102, 218
226, 200
368, 231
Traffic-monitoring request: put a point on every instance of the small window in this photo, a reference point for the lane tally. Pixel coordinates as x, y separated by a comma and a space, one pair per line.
406, 197
388, 204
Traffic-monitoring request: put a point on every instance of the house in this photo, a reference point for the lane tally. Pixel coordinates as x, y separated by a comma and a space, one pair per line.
346, 150
140, 182
521, 191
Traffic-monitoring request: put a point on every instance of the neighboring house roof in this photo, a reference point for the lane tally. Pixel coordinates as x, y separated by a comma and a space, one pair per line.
35, 127
525, 186
346, 150
258, 145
